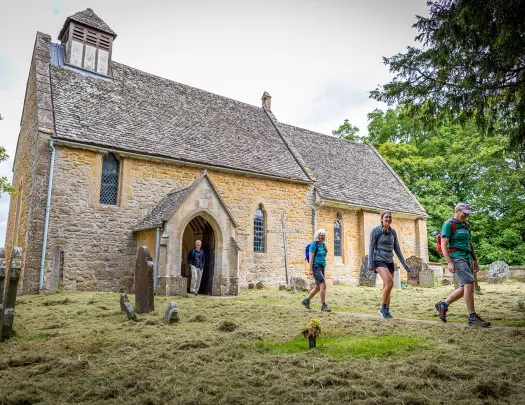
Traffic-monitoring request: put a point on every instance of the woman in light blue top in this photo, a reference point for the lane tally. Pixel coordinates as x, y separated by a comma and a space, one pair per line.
383, 244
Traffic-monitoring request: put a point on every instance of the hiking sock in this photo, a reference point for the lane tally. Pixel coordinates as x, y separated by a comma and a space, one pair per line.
323, 304
472, 315
444, 304
307, 299
384, 307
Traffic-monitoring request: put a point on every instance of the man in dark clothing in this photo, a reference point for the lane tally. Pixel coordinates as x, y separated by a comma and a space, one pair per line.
196, 260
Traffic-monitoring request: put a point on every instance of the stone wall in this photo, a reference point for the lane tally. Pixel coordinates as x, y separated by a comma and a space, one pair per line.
97, 240
27, 209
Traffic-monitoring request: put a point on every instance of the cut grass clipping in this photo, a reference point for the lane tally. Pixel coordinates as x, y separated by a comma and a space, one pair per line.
345, 346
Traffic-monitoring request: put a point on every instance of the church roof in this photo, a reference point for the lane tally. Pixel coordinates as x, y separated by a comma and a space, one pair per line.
89, 18
351, 172
140, 112
169, 204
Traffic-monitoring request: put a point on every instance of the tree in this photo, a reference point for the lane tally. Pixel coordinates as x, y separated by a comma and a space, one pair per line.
5, 187
347, 131
451, 164
470, 68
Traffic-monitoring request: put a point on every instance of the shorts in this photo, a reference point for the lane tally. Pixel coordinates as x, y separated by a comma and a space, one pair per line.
389, 266
318, 274
463, 274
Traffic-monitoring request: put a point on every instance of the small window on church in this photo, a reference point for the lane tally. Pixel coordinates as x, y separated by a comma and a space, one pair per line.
258, 230
109, 183
338, 226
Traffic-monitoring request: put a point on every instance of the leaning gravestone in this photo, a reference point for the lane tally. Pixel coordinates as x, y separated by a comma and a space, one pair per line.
129, 311
171, 314
415, 264
144, 301
2, 276
366, 278
7, 314
498, 271
427, 278
123, 300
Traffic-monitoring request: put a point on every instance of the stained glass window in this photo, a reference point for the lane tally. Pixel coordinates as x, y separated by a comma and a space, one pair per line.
109, 183
338, 226
258, 230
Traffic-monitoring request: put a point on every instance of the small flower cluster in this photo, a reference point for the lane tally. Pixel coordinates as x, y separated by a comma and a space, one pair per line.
313, 329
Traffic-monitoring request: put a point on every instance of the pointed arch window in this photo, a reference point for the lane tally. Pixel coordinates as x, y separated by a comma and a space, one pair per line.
338, 228
258, 230
109, 183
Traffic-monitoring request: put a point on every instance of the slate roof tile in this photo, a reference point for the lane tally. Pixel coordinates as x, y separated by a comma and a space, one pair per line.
89, 18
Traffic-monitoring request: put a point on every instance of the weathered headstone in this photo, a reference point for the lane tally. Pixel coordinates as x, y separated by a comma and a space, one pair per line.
2, 276
130, 312
172, 313
259, 285
498, 271
251, 286
415, 264
397, 278
366, 278
282, 287
426, 279
123, 300
298, 283
144, 300
7, 313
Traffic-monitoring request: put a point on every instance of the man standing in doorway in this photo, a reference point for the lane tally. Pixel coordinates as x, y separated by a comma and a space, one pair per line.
457, 247
196, 261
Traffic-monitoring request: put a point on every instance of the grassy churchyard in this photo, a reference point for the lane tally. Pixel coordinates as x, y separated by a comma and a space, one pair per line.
79, 348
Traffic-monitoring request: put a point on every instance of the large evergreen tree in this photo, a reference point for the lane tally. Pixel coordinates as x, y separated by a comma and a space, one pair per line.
470, 67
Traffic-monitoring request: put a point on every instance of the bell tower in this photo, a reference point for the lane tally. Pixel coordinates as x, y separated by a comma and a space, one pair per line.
88, 42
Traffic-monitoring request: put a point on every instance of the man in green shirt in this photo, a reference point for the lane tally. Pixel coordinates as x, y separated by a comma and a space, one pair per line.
462, 262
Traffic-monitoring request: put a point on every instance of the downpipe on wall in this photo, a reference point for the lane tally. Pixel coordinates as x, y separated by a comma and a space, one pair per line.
48, 209
314, 209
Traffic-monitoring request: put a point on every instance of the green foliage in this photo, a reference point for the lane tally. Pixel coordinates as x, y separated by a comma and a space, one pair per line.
5, 187
452, 164
347, 131
470, 67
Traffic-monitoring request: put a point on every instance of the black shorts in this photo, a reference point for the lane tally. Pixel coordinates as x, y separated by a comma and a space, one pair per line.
389, 266
318, 271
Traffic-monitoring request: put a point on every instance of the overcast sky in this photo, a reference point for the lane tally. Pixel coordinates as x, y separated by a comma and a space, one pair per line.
318, 59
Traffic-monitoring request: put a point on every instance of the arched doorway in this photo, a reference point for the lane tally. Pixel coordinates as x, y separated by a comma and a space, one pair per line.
199, 229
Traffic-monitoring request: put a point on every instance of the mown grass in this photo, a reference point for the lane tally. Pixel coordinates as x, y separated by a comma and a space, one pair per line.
78, 348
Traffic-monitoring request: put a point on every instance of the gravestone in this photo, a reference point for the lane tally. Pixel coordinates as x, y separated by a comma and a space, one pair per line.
251, 286
2, 276
123, 300
172, 313
426, 279
366, 278
415, 264
498, 271
129, 311
259, 285
144, 301
298, 283
397, 278
7, 314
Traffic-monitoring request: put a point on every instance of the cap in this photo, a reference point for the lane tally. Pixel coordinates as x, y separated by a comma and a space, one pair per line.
465, 208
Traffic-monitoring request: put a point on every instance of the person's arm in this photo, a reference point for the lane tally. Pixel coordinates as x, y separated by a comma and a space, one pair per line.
373, 242
397, 249
446, 253
312, 254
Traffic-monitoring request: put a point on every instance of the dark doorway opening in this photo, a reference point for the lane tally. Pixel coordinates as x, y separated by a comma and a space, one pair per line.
200, 229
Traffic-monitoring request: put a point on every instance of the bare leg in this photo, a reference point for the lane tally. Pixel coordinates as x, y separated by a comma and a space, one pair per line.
314, 291
388, 284
469, 297
322, 286
455, 295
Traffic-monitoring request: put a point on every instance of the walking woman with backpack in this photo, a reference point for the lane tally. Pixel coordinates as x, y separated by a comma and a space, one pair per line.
317, 260
383, 244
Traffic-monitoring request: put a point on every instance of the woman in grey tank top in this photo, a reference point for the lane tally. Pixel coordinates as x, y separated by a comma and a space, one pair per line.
383, 244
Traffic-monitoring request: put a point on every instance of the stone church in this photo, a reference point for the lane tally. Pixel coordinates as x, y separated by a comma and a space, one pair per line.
110, 158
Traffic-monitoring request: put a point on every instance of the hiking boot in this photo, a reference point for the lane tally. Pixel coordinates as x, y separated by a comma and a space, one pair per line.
442, 312
324, 308
477, 321
306, 303
388, 316
384, 313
